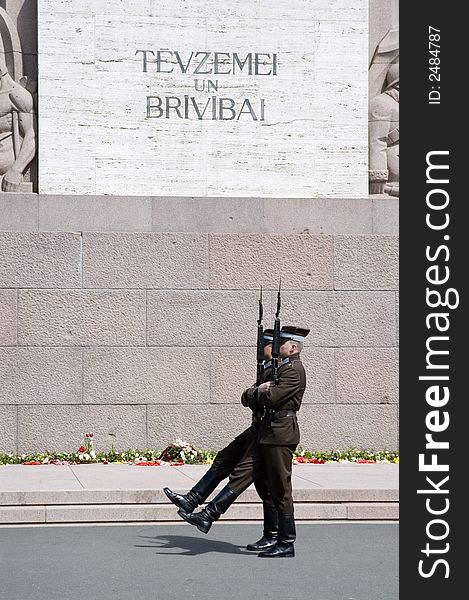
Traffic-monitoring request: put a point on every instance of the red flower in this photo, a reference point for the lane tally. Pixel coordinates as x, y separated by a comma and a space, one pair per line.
82, 449
363, 460
148, 463
32, 462
300, 459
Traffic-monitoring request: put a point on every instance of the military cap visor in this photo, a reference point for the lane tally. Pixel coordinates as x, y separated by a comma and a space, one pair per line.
268, 336
297, 334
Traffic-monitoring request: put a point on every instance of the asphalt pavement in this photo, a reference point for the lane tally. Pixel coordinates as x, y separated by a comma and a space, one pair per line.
334, 561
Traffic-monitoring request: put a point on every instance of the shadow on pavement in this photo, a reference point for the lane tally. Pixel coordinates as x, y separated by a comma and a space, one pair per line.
191, 546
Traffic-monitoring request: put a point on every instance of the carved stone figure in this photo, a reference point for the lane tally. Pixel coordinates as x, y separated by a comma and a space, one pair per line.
384, 136
17, 115
383, 83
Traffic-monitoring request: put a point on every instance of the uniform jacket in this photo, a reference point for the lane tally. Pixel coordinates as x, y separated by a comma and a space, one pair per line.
286, 395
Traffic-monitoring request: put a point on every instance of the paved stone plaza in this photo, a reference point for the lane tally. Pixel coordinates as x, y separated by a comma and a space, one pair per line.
117, 493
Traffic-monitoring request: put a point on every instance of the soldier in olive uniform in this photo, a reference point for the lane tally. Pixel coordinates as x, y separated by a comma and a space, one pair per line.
271, 453
279, 434
226, 461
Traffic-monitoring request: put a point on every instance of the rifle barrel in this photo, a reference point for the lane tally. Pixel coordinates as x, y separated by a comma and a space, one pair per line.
276, 339
260, 343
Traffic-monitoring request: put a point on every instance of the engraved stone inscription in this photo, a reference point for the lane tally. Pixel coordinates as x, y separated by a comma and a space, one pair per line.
202, 98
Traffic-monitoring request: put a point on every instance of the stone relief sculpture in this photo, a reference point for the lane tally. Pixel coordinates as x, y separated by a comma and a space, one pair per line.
17, 111
384, 120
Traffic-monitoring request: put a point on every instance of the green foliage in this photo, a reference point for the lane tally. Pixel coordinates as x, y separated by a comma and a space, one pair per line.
350, 455
188, 454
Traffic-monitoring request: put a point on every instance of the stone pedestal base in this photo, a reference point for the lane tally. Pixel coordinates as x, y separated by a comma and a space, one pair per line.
25, 188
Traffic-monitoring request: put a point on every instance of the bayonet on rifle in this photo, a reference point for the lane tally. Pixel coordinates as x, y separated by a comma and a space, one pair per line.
260, 343
276, 340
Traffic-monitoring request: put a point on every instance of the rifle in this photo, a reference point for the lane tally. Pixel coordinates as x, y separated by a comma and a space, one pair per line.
260, 343
276, 340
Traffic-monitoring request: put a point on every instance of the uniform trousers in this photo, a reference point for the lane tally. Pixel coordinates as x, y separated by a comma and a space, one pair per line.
229, 458
268, 466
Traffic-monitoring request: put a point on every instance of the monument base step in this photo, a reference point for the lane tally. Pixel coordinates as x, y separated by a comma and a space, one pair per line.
105, 513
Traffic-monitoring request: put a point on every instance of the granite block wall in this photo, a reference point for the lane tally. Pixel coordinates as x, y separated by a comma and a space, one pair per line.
135, 318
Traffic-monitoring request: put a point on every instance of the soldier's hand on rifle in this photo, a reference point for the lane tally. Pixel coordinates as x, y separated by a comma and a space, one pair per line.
265, 387
248, 395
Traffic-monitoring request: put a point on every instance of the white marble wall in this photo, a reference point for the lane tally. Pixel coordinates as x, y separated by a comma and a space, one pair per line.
95, 137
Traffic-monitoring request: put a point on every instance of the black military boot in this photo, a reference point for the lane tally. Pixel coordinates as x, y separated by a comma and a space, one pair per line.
286, 537
203, 520
269, 537
197, 495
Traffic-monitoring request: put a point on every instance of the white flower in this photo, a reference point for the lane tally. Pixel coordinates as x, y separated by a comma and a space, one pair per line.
93, 454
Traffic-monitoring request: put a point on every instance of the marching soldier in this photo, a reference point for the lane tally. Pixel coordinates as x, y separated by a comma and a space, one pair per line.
271, 453
279, 434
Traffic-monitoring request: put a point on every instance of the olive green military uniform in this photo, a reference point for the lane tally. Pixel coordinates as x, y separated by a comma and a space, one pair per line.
271, 452
268, 455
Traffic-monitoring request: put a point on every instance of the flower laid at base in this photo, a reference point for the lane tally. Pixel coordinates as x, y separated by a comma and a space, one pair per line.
86, 452
181, 453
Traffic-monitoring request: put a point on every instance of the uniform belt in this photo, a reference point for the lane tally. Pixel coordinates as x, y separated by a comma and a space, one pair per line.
274, 416
283, 413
